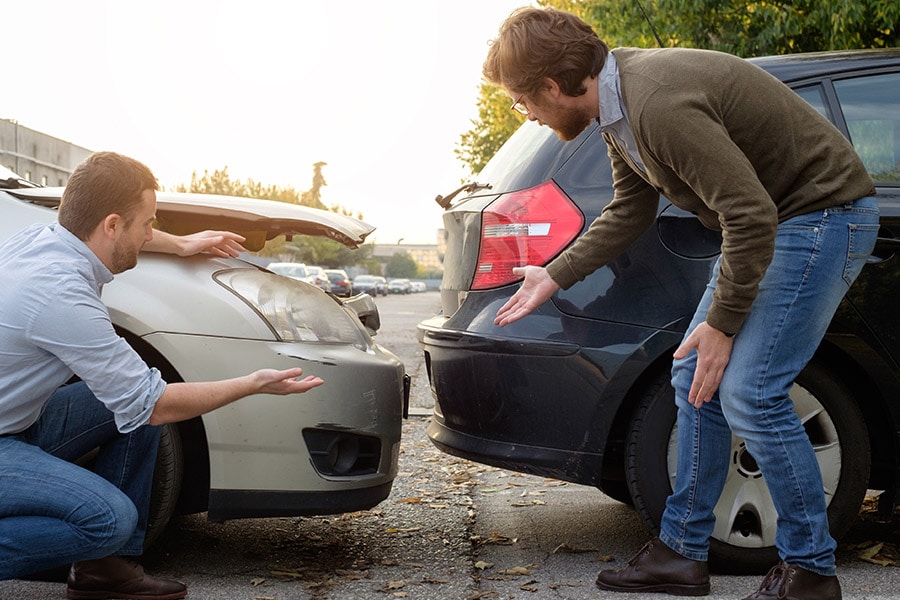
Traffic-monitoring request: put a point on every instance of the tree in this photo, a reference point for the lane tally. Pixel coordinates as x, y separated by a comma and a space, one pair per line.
493, 127
401, 265
745, 28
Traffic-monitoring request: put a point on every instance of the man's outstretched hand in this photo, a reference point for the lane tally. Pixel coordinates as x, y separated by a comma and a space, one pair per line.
219, 243
272, 381
536, 289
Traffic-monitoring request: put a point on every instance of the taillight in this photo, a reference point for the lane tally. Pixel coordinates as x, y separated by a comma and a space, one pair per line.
529, 227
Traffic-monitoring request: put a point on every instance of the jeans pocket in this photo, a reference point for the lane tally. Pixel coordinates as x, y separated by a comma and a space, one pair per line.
860, 243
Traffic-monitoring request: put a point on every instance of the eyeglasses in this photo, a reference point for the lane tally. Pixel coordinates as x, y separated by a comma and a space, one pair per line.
519, 106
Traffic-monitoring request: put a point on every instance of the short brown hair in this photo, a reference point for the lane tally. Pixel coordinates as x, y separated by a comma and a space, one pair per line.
105, 183
534, 43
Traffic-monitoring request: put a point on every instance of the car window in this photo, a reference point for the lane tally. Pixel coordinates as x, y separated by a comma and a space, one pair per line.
532, 155
815, 95
871, 107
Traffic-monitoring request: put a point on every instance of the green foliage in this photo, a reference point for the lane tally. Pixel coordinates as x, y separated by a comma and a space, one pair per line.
401, 265
220, 182
495, 123
744, 28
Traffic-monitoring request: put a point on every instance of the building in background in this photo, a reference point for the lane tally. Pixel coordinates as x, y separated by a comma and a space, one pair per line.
427, 256
36, 156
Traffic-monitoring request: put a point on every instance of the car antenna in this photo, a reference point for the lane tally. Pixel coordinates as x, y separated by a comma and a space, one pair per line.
646, 18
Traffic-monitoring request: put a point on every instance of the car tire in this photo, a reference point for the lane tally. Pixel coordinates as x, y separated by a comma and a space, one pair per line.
835, 426
167, 479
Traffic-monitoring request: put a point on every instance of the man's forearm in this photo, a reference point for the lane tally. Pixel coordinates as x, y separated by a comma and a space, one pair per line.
186, 400
163, 242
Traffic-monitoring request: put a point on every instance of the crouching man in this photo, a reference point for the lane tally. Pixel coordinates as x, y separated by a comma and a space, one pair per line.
53, 325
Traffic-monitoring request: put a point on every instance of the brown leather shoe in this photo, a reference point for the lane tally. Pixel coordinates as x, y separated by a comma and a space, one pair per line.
788, 582
117, 577
658, 568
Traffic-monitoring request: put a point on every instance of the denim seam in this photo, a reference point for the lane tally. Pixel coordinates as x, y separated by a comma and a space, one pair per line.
765, 375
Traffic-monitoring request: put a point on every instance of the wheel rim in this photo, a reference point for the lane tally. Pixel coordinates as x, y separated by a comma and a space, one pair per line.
745, 513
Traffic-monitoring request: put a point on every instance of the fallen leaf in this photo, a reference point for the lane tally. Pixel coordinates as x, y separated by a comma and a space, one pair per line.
257, 581
567, 549
295, 574
483, 565
516, 571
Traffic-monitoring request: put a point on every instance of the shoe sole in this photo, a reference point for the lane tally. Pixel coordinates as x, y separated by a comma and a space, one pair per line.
669, 588
100, 595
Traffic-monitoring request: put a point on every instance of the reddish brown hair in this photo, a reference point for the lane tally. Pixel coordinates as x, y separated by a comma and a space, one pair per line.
534, 43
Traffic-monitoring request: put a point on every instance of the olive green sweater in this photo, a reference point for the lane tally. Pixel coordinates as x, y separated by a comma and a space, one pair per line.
723, 139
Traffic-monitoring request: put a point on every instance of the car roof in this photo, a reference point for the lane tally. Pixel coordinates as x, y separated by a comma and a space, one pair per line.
256, 219
805, 65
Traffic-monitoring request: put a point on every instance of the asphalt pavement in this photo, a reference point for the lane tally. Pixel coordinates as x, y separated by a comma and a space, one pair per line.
451, 529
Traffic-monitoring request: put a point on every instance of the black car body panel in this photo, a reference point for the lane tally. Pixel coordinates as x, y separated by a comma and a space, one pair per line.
553, 394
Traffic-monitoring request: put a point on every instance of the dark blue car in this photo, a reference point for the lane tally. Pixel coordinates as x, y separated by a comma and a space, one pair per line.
579, 390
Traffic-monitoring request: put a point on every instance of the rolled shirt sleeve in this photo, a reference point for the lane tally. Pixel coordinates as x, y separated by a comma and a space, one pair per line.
75, 327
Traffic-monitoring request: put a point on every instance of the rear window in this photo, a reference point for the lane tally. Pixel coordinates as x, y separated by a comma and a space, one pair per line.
532, 155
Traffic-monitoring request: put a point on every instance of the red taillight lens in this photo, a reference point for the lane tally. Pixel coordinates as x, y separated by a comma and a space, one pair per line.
524, 228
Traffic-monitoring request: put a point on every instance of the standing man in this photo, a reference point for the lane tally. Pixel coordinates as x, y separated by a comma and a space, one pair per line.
722, 139
53, 325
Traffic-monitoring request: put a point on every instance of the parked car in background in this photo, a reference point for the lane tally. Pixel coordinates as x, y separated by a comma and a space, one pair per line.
399, 286
297, 271
418, 286
381, 285
205, 318
579, 389
341, 285
374, 285
319, 278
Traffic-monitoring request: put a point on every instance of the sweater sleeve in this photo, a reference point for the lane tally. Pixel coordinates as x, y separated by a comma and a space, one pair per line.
701, 153
631, 212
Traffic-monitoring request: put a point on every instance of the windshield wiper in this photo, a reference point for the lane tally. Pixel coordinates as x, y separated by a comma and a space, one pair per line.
444, 201
14, 183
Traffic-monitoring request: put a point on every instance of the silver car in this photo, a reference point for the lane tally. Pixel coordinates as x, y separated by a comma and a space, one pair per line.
331, 450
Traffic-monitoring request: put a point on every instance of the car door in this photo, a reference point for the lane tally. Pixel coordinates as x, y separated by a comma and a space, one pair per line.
867, 109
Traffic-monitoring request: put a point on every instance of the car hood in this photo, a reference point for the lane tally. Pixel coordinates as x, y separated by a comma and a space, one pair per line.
257, 220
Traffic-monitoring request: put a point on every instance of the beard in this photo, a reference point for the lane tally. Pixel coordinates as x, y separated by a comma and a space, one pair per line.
571, 123
123, 258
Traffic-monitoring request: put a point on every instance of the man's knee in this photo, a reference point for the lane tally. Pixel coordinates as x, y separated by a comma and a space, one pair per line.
105, 525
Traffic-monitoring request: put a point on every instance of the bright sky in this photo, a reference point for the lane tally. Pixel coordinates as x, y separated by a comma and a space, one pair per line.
380, 90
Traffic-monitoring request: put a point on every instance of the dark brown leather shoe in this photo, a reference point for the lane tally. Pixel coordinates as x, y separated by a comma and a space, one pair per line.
117, 577
789, 582
658, 568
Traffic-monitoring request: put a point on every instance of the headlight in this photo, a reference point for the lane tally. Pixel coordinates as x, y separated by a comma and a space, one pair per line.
296, 311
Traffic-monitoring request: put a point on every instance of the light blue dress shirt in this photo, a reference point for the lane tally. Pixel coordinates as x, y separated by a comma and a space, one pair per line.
613, 118
53, 325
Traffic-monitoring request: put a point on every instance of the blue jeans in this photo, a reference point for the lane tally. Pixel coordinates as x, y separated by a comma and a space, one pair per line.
817, 258
53, 512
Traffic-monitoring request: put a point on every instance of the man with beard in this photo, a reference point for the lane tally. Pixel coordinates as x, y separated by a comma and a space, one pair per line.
728, 142
53, 325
